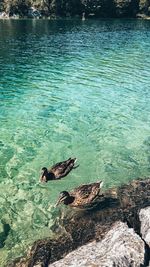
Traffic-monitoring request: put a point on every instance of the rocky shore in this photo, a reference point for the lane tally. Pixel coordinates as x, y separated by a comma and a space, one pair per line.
71, 8
116, 233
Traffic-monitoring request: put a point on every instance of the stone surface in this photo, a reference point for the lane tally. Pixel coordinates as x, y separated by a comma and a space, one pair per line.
71, 8
145, 224
33, 13
120, 247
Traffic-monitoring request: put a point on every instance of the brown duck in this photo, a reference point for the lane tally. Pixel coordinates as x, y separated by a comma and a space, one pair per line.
57, 171
83, 197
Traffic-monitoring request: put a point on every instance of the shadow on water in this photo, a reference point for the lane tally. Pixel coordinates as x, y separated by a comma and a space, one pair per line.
70, 87
3, 235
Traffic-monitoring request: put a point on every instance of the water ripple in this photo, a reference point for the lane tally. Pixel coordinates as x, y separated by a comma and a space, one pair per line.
69, 88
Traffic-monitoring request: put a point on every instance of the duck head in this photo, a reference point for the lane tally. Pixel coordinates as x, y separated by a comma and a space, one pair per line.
44, 174
44, 171
64, 198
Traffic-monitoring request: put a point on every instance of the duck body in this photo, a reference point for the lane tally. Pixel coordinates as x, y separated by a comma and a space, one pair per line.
58, 171
82, 197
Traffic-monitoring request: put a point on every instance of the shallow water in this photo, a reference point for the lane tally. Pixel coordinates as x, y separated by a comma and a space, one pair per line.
68, 88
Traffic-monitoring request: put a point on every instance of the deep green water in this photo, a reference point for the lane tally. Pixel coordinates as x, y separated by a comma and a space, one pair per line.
68, 88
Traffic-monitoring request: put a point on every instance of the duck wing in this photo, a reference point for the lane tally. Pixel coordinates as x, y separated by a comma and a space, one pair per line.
61, 169
86, 194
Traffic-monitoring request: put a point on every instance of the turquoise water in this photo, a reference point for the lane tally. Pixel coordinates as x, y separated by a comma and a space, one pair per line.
68, 88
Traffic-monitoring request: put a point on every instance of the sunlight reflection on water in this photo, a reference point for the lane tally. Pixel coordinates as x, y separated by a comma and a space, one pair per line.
68, 89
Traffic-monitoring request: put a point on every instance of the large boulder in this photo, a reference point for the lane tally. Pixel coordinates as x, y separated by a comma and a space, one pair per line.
120, 247
144, 216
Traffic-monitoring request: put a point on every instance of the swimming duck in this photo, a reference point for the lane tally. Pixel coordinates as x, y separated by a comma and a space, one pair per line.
58, 170
82, 197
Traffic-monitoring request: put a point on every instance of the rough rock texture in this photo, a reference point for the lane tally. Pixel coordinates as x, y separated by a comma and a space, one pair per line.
71, 8
144, 7
120, 247
126, 8
78, 228
145, 224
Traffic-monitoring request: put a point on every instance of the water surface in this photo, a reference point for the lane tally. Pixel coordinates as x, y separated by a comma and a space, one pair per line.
68, 88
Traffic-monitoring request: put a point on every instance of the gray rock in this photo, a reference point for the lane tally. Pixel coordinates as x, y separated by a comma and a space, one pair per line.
121, 247
33, 13
144, 216
4, 15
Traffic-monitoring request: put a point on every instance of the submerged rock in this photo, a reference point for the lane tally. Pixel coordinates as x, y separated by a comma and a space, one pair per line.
120, 247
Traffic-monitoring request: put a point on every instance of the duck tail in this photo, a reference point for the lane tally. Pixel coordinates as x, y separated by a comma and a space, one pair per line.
74, 160
101, 184
71, 160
